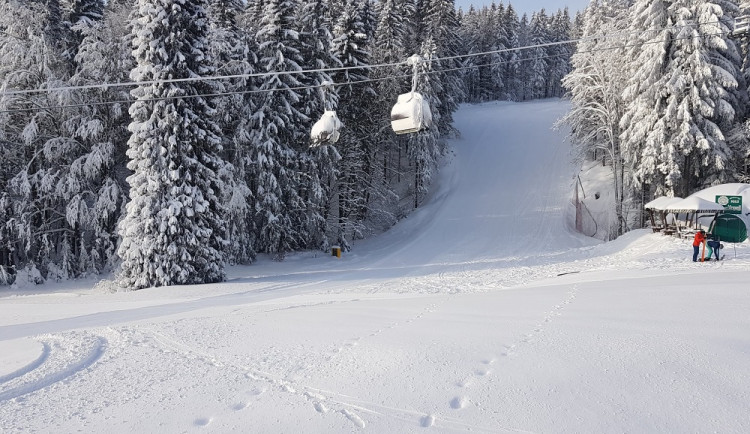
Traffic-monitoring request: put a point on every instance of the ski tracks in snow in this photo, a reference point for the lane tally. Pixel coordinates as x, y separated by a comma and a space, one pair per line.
61, 357
66, 362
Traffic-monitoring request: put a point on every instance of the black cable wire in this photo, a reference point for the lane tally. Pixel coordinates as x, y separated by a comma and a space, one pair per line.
359, 82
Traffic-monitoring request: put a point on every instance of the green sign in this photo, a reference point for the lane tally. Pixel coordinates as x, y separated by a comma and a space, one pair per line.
731, 204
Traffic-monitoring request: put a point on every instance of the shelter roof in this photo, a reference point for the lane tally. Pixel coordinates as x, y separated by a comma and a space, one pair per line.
660, 203
694, 204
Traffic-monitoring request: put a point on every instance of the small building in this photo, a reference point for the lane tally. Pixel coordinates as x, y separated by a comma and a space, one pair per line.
735, 198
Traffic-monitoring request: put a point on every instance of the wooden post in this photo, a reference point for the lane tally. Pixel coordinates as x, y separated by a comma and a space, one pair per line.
579, 216
651, 215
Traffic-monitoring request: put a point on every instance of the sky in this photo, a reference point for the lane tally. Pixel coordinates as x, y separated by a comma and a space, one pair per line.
529, 6
482, 311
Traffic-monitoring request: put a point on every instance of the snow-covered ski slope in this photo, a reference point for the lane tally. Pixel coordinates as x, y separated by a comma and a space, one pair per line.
501, 200
482, 311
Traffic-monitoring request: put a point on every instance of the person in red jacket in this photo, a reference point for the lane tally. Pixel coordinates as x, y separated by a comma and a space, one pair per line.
700, 237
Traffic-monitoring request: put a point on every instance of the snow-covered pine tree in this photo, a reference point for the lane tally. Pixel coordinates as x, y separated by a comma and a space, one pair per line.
513, 84
576, 29
315, 37
369, 15
738, 140
318, 173
739, 137
91, 161
714, 96
469, 37
230, 47
8, 259
425, 149
16, 20
681, 97
559, 55
642, 130
500, 43
174, 228
316, 167
55, 28
441, 26
524, 62
83, 15
252, 16
485, 42
350, 193
86, 12
390, 45
32, 54
413, 15
23, 66
538, 65
277, 132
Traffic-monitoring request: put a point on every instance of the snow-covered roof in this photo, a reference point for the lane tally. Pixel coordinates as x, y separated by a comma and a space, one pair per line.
694, 204
733, 189
660, 203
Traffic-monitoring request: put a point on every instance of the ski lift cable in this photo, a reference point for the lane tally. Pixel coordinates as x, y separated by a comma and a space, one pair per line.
330, 69
259, 91
204, 95
349, 83
194, 79
575, 41
553, 56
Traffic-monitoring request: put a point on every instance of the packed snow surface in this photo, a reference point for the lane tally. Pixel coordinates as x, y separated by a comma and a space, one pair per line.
482, 311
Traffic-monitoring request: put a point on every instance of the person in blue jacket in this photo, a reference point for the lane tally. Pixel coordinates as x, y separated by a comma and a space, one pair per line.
715, 244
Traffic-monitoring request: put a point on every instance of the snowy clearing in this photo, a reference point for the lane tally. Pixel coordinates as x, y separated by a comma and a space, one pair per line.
482, 311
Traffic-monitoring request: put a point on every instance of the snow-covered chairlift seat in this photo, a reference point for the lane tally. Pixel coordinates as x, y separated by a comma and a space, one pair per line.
410, 114
326, 131
741, 26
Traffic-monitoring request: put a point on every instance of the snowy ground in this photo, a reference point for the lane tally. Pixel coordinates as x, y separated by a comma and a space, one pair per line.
483, 311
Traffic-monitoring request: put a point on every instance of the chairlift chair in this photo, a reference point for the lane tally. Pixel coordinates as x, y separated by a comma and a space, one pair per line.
741, 26
327, 129
412, 112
